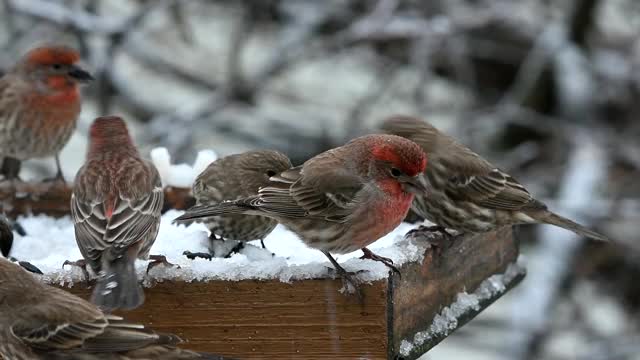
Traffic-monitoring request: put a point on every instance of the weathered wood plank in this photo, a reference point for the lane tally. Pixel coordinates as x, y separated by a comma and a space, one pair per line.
52, 198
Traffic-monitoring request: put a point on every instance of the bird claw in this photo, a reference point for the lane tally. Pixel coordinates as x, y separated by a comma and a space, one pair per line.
193, 255
159, 260
425, 233
348, 280
82, 264
368, 254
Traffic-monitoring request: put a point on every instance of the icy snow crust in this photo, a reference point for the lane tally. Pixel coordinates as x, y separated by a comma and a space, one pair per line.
447, 320
49, 242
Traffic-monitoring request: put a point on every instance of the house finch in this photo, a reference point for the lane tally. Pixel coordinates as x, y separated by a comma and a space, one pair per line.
39, 106
466, 192
115, 206
341, 200
236, 177
38, 322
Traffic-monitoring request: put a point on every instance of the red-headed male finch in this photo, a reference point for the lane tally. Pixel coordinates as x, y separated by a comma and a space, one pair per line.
39, 322
235, 177
39, 106
467, 193
341, 200
115, 206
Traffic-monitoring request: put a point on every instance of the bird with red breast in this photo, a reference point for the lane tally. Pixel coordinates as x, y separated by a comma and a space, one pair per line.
39, 106
341, 200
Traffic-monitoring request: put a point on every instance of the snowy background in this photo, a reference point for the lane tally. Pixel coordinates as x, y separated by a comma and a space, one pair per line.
547, 90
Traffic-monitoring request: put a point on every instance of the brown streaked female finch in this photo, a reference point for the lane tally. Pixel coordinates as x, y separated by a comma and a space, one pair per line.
39, 106
115, 206
235, 177
341, 200
467, 193
39, 322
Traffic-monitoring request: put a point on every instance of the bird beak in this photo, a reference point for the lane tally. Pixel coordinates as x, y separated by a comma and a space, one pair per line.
81, 75
414, 184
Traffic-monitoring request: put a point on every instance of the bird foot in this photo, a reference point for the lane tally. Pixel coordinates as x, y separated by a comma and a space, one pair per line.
82, 264
368, 254
193, 255
27, 266
159, 260
425, 233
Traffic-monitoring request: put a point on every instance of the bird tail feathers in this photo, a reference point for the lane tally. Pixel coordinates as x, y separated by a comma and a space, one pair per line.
117, 287
557, 220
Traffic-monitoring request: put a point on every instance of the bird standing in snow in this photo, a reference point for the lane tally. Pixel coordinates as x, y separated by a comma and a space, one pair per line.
466, 192
115, 206
235, 177
341, 200
39, 322
39, 106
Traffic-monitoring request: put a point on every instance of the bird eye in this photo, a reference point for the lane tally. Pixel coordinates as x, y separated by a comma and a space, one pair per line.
395, 172
56, 66
271, 173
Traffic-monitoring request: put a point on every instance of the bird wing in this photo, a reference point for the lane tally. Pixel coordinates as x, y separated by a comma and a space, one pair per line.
320, 188
59, 321
116, 222
493, 189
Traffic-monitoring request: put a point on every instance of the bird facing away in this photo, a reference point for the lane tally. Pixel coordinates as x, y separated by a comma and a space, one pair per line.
341, 200
40, 322
115, 206
39, 106
466, 192
235, 177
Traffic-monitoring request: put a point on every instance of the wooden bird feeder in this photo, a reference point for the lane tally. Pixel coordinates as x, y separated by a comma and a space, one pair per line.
312, 319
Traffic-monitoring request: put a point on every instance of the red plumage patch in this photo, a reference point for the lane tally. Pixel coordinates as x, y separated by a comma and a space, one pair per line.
408, 158
53, 55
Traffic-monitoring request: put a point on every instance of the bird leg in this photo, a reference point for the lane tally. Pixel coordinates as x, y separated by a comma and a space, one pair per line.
82, 264
347, 277
236, 249
368, 254
159, 260
59, 176
262, 243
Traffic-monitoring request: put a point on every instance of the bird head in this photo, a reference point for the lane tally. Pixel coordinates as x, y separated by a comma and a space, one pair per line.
109, 132
53, 68
259, 166
398, 160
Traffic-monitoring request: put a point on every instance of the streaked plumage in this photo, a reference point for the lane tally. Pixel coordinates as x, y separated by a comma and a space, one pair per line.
466, 192
116, 204
234, 177
40, 322
341, 200
39, 105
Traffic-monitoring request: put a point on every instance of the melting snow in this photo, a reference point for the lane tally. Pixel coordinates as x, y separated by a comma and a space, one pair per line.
447, 320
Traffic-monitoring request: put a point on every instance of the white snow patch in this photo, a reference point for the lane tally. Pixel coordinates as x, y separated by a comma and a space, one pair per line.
49, 242
180, 175
447, 320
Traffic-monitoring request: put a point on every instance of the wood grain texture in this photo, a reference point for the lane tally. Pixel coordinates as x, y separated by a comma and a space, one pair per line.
425, 289
53, 198
268, 319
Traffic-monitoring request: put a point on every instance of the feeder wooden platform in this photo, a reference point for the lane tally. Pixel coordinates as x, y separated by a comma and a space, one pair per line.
311, 319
